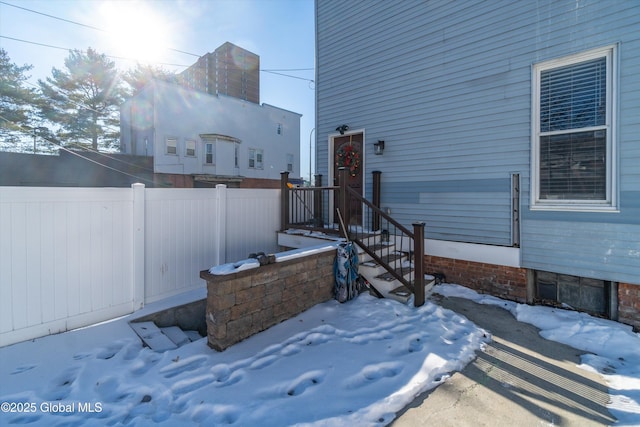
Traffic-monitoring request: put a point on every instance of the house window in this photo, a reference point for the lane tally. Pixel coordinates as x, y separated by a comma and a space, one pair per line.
574, 142
289, 162
255, 158
172, 146
236, 155
190, 148
208, 153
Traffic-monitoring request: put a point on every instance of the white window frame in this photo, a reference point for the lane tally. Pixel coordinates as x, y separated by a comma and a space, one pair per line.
609, 203
171, 146
253, 158
208, 145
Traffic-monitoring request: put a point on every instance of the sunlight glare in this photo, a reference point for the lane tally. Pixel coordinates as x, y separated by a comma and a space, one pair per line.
135, 30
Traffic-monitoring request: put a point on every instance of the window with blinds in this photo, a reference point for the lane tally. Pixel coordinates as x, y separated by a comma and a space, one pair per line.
172, 146
190, 148
574, 96
573, 143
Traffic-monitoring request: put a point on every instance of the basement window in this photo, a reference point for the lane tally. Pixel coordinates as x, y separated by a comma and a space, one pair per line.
579, 293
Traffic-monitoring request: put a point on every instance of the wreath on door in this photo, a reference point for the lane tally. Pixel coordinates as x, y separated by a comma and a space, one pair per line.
347, 156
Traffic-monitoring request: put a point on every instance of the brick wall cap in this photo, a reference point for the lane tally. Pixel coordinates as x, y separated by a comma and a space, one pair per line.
282, 259
304, 252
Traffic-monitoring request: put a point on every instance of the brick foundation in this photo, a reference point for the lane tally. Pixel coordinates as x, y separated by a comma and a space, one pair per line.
509, 283
629, 304
244, 303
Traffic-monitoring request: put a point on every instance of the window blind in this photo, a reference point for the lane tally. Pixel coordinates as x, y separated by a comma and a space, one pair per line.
190, 148
573, 96
172, 146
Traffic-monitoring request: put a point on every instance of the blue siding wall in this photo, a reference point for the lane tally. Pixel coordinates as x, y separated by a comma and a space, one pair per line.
447, 85
453, 208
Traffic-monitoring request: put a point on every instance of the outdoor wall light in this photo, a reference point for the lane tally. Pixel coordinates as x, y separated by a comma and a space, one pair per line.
378, 147
342, 129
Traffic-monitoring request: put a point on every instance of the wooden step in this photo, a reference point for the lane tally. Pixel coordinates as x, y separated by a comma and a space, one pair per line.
398, 292
405, 272
403, 292
393, 259
382, 249
371, 269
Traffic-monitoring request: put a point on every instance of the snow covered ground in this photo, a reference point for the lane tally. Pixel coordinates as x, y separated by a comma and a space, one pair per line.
348, 364
614, 348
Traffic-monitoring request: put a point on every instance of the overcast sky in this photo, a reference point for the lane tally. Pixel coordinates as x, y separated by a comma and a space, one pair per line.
173, 33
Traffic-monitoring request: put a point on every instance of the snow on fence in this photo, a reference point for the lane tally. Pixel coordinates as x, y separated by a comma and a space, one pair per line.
71, 257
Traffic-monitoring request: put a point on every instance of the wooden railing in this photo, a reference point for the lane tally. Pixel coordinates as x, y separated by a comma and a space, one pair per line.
309, 208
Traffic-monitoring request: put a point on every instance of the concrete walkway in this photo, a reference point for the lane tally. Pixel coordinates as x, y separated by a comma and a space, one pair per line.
520, 379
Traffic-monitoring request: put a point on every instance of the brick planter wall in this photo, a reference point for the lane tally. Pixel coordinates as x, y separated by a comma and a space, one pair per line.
244, 303
498, 280
629, 304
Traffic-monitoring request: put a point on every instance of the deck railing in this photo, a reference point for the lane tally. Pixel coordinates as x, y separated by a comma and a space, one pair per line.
310, 208
306, 208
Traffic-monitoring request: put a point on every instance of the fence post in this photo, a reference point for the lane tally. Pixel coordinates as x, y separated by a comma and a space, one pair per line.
317, 201
220, 239
376, 199
418, 264
284, 200
138, 255
343, 198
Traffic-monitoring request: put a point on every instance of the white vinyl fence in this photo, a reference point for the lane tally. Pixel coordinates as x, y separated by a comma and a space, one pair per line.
71, 257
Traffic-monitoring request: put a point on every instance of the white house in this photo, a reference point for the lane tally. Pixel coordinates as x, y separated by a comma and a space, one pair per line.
210, 138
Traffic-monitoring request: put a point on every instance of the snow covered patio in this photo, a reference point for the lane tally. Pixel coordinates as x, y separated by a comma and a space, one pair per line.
357, 363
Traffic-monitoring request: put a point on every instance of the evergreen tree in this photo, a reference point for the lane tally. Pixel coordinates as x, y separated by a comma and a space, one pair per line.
84, 99
16, 100
139, 77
